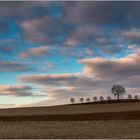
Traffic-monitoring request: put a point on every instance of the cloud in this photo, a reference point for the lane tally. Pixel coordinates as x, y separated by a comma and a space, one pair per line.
97, 78
48, 79
78, 12
20, 9
123, 71
83, 12
17, 90
131, 35
7, 45
45, 30
7, 66
51, 30
61, 80
65, 83
134, 48
116, 68
114, 49
85, 34
88, 24
98, 12
35, 52
59, 88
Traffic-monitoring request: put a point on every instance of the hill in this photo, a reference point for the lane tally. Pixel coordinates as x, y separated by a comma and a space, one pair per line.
72, 109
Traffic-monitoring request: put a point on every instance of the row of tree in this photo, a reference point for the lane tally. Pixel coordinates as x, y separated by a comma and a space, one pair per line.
101, 98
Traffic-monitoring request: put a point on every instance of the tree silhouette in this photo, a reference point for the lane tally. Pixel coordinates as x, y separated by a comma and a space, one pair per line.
101, 98
81, 99
136, 97
88, 99
129, 96
108, 98
72, 100
118, 90
94, 98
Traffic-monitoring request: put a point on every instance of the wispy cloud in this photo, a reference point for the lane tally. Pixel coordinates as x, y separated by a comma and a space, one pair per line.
36, 52
17, 90
7, 66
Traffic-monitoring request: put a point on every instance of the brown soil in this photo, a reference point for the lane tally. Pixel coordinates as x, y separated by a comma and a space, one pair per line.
131, 115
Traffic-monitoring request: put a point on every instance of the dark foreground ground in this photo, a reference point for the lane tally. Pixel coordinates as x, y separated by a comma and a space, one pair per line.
117, 129
86, 121
115, 125
128, 115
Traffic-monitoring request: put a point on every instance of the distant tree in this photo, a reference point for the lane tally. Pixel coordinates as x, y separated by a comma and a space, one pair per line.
72, 100
88, 99
136, 97
101, 98
129, 96
94, 98
108, 98
118, 90
81, 99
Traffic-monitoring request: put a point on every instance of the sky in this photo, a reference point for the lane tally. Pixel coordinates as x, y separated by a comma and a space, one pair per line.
53, 51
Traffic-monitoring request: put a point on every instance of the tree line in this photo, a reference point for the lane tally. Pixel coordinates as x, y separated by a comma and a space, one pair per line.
116, 90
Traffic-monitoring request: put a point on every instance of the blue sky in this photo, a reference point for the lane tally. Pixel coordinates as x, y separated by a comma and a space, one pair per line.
52, 51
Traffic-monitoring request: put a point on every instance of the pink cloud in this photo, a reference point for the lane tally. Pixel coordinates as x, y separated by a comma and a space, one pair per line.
112, 68
7, 66
17, 90
35, 52
46, 78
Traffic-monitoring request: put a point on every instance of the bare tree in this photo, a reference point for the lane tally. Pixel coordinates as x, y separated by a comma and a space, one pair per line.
72, 100
136, 97
81, 99
129, 96
94, 98
118, 90
108, 98
88, 99
101, 98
